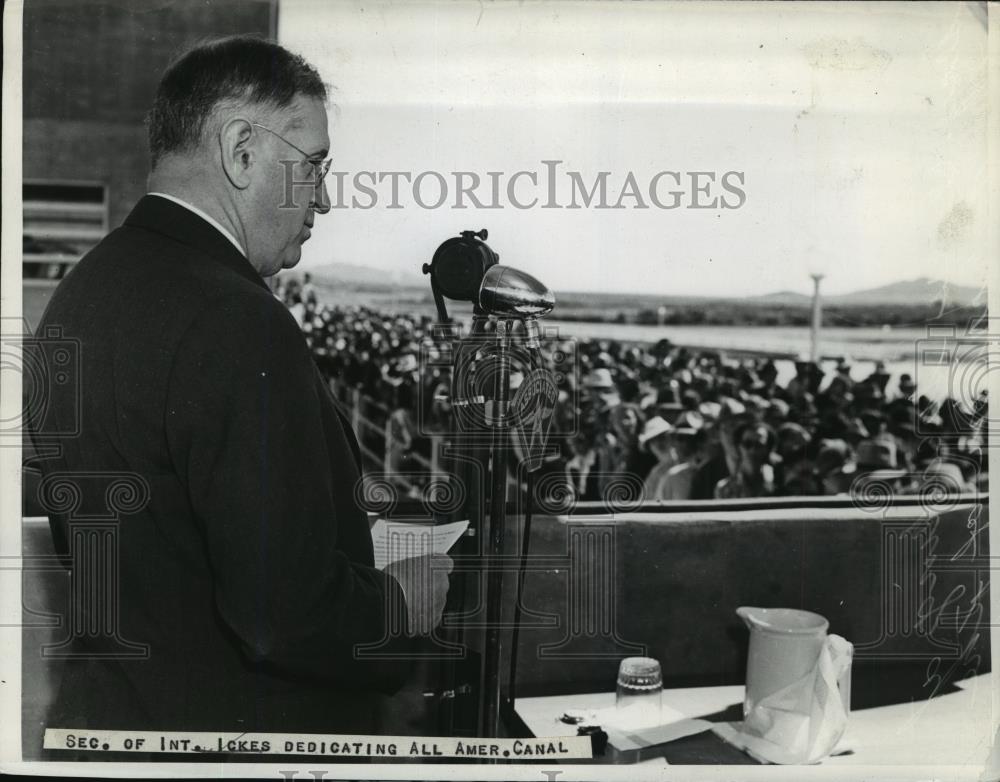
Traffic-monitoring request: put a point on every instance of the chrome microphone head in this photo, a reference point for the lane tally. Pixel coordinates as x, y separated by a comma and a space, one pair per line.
509, 292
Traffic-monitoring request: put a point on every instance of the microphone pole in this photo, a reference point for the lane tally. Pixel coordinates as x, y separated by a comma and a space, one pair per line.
510, 295
533, 457
465, 269
456, 273
497, 418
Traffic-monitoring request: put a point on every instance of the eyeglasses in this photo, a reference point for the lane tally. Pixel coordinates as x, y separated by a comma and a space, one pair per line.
320, 167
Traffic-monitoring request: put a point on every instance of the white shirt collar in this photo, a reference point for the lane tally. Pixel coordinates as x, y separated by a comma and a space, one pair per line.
207, 218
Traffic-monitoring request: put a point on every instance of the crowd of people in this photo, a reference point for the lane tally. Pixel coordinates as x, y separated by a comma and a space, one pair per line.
687, 424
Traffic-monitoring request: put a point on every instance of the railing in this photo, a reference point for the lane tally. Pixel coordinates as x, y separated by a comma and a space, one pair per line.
370, 421
50, 267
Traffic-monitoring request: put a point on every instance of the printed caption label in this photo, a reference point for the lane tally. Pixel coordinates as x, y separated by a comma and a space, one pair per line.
564, 747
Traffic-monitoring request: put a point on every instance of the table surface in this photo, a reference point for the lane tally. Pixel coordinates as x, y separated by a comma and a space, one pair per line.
952, 729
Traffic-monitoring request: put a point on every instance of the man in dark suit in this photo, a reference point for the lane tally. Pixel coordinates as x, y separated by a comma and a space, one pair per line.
247, 572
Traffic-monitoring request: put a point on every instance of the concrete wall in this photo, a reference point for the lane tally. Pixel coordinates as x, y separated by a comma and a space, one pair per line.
668, 586
896, 582
90, 74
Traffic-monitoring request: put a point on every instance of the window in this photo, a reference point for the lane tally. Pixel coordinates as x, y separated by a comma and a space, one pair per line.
62, 221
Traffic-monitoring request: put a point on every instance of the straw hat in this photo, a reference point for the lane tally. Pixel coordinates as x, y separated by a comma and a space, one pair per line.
600, 378
877, 458
654, 427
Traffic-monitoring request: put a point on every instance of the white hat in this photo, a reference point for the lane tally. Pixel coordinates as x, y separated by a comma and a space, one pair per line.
710, 409
654, 427
600, 378
408, 363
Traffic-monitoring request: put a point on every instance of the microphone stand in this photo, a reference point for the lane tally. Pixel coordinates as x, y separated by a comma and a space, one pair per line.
497, 417
521, 565
466, 269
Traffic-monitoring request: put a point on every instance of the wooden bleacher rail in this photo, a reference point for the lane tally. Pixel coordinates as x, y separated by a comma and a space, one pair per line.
358, 406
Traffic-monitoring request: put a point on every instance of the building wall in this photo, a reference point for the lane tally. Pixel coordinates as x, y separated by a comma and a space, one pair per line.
90, 73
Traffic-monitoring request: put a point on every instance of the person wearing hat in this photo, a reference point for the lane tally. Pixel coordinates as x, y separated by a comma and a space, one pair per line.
690, 399
875, 422
907, 388
625, 422
400, 435
927, 415
406, 365
841, 426
803, 409
943, 474
804, 380
713, 465
655, 438
669, 411
601, 386
837, 395
834, 472
710, 410
901, 425
732, 415
677, 483
868, 393
877, 454
754, 475
670, 393
581, 468
628, 388
777, 412
877, 460
768, 373
661, 349
795, 474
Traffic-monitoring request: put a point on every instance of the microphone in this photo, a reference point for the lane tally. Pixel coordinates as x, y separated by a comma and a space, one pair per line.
457, 269
510, 293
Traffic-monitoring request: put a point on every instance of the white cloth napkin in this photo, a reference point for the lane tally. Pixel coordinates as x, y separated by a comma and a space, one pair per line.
803, 722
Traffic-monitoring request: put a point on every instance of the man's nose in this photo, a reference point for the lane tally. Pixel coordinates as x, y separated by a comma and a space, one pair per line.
321, 198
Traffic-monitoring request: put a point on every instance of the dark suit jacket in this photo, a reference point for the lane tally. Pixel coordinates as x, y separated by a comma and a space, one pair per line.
249, 571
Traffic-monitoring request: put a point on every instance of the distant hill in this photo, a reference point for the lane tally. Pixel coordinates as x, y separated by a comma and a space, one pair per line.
781, 298
354, 276
919, 291
922, 290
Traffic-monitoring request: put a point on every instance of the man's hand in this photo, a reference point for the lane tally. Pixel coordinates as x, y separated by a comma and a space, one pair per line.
425, 585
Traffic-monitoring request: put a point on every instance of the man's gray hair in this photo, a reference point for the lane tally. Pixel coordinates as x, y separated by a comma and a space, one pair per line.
238, 69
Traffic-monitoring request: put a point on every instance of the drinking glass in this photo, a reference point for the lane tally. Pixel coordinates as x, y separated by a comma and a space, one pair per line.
640, 685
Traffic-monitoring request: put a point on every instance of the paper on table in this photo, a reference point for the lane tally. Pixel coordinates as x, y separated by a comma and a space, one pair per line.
632, 739
396, 540
626, 734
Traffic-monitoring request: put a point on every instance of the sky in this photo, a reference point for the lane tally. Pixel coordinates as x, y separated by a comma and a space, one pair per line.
854, 137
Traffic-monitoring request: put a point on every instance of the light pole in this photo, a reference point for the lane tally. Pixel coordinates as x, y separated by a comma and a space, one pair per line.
817, 319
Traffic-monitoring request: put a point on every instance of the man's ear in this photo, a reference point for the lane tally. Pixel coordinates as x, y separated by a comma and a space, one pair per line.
236, 141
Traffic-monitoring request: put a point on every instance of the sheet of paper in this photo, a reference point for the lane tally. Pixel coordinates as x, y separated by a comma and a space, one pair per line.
624, 735
630, 739
396, 540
